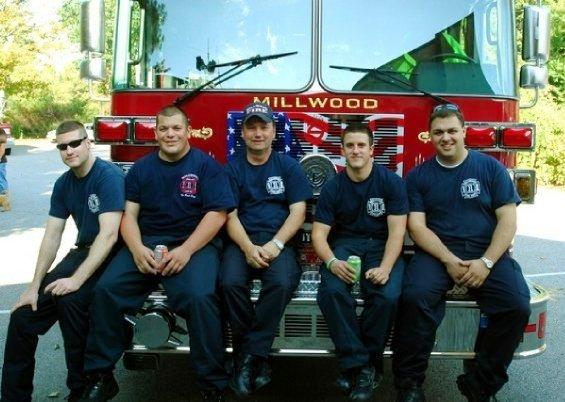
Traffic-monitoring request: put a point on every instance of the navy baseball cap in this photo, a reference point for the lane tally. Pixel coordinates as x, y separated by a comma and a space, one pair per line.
258, 109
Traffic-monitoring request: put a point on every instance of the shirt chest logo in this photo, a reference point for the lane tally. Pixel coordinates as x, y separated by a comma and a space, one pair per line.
275, 185
376, 207
470, 188
93, 203
189, 186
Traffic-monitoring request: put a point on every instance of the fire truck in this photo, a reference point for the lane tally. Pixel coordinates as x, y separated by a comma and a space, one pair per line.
320, 64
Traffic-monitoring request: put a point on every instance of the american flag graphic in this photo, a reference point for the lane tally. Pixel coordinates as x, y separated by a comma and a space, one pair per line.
302, 133
236, 145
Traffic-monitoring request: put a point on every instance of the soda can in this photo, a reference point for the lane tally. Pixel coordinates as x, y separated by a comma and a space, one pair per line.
159, 252
355, 263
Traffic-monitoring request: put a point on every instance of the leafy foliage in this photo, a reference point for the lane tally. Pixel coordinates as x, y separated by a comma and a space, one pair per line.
548, 158
40, 89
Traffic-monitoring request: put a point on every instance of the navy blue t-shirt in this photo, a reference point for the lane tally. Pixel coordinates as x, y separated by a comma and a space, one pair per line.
100, 191
264, 192
174, 196
360, 209
460, 202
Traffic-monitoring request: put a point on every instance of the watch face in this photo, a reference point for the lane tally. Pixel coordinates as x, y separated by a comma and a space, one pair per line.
487, 262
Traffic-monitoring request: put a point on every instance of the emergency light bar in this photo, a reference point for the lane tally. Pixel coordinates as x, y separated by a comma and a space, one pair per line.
480, 137
521, 137
144, 130
111, 130
128, 130
500, 135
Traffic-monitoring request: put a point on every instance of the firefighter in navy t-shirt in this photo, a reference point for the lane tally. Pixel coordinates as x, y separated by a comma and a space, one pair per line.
362, 212
178, 197
271, 192
462, 219
92, 192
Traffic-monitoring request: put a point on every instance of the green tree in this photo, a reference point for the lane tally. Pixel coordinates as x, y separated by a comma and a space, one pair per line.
40, 91
548, 157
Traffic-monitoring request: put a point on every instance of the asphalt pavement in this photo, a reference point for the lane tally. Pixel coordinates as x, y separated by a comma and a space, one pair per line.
539, 247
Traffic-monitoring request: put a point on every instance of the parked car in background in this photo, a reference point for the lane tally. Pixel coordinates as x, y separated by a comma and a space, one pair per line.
89, 132
10, 144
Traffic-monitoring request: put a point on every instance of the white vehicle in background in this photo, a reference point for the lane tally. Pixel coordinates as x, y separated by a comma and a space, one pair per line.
89, 133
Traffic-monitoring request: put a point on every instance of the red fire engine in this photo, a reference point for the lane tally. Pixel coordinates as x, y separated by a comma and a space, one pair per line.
320, 64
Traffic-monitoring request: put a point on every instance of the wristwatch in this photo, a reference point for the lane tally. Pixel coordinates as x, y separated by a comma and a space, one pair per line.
278, 243
487, 262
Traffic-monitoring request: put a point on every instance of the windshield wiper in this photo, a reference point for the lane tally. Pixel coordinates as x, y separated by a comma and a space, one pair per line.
239, 66
391, 74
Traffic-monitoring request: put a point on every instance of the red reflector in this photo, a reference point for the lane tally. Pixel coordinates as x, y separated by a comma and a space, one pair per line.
480, 137
530, 328
112, 130
144, 130
541, 325
129, 153
518, 137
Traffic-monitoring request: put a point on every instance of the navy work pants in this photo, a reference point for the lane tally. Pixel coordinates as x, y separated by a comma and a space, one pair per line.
253, 328
504, 297
26, 325
359, 343
191, 294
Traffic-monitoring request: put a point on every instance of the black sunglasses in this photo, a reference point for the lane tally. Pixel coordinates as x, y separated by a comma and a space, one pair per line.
72, 144
446, 106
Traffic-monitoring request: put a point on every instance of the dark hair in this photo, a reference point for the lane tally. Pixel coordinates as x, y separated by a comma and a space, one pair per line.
358, 128
70, 125
446, 110
172, 110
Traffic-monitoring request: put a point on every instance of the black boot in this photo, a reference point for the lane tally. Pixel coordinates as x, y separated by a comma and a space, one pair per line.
364, 384
242, 381
100, 388
345, 381
212, 395
409, 391
471, 389
75, 395
262, 373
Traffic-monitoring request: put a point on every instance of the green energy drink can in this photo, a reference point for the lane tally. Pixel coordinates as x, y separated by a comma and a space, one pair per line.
355, 262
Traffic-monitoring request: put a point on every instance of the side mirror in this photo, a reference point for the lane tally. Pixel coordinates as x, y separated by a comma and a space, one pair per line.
533, 76
93, 69
92, 26
536, 34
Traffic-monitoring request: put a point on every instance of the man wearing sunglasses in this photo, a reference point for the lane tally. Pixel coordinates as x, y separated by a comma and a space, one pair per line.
92, 192
178, 197
462, 219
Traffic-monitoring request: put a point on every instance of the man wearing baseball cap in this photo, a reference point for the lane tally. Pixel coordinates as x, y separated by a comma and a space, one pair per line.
271, 192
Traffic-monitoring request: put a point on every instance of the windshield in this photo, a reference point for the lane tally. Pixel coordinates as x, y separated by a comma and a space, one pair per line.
177, 32
439, 46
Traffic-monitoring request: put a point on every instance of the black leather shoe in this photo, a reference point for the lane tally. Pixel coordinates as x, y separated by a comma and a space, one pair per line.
212, 395
263, 373
471, 389
345, 381
364, 384
242, 381
100, 388
75, 395
410, 393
